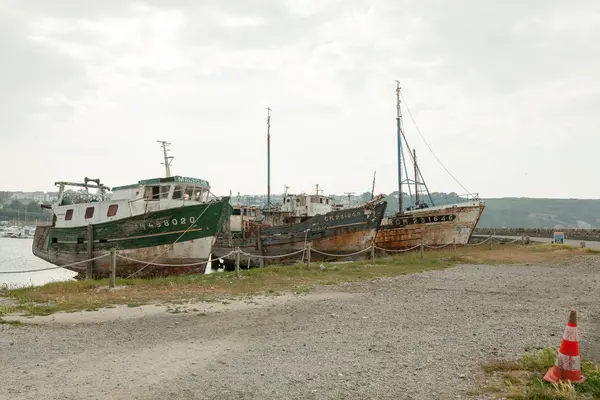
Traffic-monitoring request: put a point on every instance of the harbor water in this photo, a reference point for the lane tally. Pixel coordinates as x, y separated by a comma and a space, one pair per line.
16, 255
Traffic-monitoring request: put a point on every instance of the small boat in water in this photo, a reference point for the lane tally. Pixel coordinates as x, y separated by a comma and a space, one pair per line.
168, 220
17, 232
423, 221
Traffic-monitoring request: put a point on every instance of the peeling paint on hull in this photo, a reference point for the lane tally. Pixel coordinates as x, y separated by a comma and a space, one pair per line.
148, 237
180, 255
337, 232
437, 226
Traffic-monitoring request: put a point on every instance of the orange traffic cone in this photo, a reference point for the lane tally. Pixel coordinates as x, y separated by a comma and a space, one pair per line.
567, 365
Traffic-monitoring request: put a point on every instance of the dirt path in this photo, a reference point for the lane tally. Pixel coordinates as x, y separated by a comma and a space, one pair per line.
421, 336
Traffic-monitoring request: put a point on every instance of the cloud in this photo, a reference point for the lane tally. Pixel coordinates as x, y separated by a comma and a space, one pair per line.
498, 89
29, 76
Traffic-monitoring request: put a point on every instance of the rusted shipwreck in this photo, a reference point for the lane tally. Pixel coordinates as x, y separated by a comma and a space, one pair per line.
423, 221
281, 233
169, 221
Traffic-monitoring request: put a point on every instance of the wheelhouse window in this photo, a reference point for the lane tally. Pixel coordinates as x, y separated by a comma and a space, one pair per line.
89, 212
189, 193
164, 191
178, 192
152, 193
69, 215
197, 194
112, 210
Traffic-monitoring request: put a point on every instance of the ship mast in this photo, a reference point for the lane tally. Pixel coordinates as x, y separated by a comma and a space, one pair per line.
268, 157
167, 159
399, 134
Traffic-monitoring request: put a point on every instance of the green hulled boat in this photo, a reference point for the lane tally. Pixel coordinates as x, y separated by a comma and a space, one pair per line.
163, 221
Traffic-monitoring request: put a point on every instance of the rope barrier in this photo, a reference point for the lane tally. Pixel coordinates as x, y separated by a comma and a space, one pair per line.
278, 256
214, 259
398, 251
477, 244
341, 255
241, 252
168, 265
437, 247
57, 267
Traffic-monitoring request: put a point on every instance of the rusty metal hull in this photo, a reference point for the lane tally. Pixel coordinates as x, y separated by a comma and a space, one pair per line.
435, 226
337, 232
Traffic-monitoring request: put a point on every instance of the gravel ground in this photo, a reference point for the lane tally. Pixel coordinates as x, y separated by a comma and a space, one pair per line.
421, 336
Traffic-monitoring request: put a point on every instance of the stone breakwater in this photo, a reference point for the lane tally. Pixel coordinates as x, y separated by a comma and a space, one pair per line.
573, 234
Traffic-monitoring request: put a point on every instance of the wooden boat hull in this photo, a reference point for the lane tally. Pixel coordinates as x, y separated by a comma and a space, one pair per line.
337, 232
177, 236
435, 226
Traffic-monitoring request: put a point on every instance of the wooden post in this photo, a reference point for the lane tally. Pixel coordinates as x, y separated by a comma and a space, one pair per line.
308, 246
248, 263
113, 267
422, 247
237, 262
89, 272
490, 239
454, 244
373, 254
261, 261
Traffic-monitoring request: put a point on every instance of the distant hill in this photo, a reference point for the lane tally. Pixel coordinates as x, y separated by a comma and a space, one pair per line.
513, 212
523, 212
505, 212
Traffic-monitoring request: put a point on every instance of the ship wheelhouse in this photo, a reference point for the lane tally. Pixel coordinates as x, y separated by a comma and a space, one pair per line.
82, 207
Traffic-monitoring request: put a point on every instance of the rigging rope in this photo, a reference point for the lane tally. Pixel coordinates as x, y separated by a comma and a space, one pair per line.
51, 268
176, 240
429, 147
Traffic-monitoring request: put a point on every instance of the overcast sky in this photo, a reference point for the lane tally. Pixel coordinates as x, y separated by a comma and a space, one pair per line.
507, 93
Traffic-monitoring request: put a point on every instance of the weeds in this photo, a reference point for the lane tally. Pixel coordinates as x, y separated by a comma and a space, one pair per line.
12, 323
522, 380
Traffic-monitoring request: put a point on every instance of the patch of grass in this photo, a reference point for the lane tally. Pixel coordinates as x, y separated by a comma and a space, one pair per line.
272, 280
540, 361
501, 366
589, 250
554, 246
522, 380
13, 323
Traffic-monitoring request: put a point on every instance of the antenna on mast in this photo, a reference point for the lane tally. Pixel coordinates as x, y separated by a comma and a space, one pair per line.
286, 189
318, 189
349, 194
399, 133
268, 157
168, 159
373, 189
